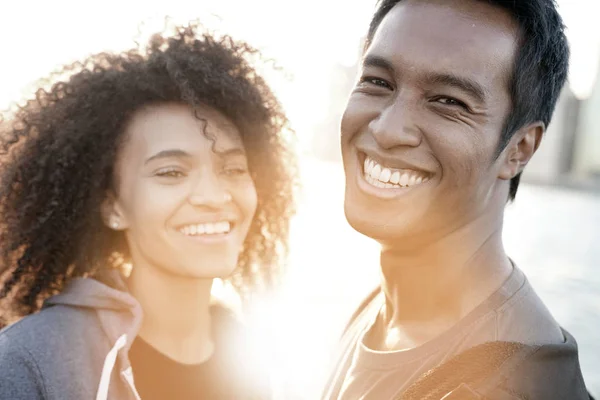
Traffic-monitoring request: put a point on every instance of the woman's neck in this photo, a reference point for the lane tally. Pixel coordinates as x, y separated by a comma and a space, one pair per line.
177, 319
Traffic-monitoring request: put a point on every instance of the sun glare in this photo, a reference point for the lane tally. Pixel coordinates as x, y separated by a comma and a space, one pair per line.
309, 40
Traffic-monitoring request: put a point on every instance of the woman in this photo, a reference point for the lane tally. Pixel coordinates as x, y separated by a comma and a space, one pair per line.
170, 161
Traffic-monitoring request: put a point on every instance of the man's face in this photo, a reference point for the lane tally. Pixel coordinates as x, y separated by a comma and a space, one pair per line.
422, 126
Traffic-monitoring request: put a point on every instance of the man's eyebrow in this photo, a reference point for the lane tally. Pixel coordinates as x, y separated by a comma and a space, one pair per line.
467, 85
377, 62
171, 153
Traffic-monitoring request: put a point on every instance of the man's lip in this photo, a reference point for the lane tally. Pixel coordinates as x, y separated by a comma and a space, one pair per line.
381, 193
390, 162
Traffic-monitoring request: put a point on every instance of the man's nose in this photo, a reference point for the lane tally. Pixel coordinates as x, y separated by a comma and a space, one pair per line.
394, 126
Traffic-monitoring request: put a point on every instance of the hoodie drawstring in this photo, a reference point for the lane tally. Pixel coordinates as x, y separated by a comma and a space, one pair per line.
128, 375
109, 364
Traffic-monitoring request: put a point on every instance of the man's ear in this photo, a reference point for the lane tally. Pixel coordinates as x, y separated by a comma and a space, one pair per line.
520, 149
112, 213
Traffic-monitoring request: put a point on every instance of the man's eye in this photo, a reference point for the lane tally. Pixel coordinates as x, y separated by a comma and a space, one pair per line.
373, 81
449, 101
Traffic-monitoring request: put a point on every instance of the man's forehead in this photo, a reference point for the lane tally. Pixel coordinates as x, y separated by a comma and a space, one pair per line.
431, 36
471, 10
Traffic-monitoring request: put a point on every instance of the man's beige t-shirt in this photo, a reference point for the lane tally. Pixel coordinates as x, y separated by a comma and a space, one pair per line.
512, 313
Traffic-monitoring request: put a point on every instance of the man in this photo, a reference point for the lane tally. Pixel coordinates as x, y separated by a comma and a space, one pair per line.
452, 102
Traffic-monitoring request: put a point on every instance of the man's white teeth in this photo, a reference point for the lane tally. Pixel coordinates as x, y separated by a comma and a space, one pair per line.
206, 229
383, 177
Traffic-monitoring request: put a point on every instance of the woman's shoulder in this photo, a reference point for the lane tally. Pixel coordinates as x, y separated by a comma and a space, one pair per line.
43, 351
19, 370
45, 324
51, 332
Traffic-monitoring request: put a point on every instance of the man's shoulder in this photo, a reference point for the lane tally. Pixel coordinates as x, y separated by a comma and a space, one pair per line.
524, 318
364, 313
360, 320
556, 365
497, 370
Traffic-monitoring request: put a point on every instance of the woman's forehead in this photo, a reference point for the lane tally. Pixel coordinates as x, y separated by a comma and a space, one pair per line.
157, 127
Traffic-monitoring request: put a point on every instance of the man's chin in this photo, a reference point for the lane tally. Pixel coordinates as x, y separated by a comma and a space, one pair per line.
377, 227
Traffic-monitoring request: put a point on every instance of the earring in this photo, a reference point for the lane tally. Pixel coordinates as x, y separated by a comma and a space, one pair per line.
227, 197
114, 224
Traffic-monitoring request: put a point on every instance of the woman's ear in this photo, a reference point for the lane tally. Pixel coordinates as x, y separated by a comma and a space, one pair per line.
112, 213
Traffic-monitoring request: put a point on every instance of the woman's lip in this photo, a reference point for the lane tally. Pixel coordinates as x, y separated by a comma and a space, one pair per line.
212, 238
212, 220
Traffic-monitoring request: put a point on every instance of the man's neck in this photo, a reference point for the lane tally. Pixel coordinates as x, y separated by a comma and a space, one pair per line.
429, 289
177, 320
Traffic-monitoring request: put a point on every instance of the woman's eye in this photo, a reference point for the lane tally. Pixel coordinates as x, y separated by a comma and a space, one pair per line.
169, 173
235, 171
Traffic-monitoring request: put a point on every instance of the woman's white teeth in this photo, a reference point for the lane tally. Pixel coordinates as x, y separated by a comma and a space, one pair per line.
383, 177
206, 229
404, 180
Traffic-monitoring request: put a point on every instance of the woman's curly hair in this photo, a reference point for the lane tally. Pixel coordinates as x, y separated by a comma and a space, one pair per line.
58, 152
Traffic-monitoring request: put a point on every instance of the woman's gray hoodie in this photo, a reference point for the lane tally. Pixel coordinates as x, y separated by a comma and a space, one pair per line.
75, 348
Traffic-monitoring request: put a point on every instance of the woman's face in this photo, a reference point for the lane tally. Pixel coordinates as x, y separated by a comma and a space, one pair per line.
185, 199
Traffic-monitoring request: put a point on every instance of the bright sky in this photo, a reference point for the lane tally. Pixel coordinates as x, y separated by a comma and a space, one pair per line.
306, 37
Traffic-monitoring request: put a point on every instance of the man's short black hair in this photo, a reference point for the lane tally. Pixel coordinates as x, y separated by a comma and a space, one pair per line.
540, 68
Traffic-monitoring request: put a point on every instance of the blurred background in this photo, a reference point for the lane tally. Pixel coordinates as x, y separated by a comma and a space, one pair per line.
552, 230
